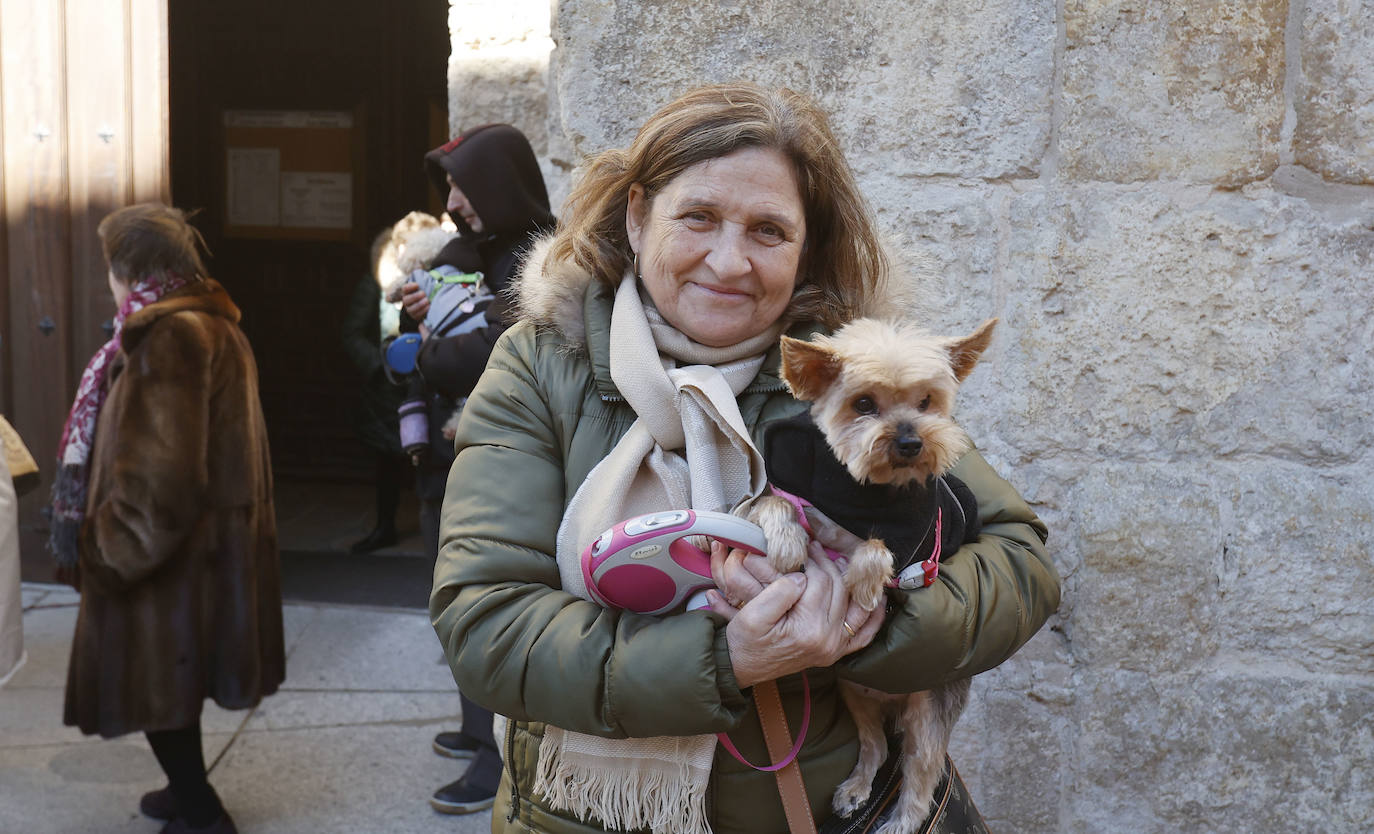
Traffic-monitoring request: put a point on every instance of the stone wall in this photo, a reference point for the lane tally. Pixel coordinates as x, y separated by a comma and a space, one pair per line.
1171, 206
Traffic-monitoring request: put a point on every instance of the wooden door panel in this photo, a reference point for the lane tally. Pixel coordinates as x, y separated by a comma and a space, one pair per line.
83, 92
32, 64
98, 158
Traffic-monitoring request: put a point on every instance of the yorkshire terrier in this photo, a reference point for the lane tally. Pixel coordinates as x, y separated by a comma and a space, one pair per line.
872, 456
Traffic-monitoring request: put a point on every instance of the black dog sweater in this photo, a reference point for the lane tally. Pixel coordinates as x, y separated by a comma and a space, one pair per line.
800, 461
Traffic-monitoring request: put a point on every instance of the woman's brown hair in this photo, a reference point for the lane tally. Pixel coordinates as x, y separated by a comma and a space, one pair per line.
150, 239
843, 268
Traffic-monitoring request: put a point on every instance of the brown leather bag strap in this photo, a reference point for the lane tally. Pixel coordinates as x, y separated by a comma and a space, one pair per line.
779, 740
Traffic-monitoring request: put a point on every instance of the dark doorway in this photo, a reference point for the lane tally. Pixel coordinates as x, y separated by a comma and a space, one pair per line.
383, 64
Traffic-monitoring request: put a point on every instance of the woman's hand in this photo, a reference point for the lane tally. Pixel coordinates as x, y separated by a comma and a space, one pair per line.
786, 623
739, 575
414, 300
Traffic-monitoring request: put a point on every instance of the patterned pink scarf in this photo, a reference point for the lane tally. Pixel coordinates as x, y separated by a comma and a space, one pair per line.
74, 451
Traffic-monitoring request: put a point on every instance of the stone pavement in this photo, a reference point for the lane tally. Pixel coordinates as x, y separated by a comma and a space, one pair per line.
343, 747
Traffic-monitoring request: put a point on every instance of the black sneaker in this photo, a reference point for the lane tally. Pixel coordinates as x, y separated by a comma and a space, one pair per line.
159, 804
461, 797
381, 536
457, 745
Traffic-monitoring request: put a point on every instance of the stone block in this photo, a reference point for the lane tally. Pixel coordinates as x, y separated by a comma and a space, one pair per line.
1244, 750
48, 642
1202, 562
498, 68
92, 786
1180, 323
291, 710
83, 786
403, 653
1144, 596
1184, 90
1009, 745
946, 238
1292, 567
485, 89
1008, 753
1334, 134
936, 88
46, 595
347, 779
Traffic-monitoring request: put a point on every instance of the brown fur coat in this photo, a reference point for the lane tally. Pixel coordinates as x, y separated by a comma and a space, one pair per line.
181, 588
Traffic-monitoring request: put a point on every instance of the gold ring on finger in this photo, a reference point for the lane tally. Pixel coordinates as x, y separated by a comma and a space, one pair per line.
848, 628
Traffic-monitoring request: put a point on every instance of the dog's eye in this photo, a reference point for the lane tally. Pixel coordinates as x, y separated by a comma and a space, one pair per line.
865, 405
924, 403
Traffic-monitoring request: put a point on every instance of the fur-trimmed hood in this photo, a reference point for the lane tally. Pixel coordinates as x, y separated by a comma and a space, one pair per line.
550, 293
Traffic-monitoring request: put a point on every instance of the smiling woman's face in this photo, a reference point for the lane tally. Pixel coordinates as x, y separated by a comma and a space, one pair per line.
720, 245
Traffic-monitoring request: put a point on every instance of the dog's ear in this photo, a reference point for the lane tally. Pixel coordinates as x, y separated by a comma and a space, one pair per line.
964, 353
808, 368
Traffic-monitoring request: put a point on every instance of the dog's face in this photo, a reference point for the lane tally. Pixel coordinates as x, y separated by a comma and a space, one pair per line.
883, 395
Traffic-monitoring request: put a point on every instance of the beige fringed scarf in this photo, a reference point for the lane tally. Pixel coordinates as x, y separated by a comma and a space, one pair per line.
689, 448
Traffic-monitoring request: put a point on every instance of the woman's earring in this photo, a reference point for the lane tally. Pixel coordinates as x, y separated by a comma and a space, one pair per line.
637, 275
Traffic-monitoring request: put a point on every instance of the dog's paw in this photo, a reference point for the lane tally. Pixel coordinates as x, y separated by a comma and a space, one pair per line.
787, 549
851, 794
898, 824
868, 595
869, 569
786, 537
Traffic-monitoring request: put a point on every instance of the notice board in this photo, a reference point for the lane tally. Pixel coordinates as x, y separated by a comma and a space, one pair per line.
291, 174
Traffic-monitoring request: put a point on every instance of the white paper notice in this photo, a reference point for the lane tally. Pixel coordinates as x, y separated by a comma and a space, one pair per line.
317, 200
254, 186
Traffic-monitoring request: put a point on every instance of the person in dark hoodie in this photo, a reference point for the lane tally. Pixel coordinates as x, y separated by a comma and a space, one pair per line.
493, 189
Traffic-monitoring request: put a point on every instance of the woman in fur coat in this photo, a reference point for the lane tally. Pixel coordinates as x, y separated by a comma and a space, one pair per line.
162, 515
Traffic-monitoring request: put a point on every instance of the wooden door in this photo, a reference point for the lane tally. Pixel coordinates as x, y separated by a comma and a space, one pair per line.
83, 131
385, 64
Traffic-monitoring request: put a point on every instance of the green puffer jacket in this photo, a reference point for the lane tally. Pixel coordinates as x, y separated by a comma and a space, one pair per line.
544, 413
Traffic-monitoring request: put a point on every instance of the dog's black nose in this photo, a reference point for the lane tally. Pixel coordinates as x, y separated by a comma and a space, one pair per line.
909, 446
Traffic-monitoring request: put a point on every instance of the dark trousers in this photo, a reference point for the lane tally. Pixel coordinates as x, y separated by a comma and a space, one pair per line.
389, 474
430, 509
485, 770
180, 755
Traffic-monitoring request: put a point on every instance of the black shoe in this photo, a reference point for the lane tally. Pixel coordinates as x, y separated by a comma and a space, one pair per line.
456, 745
223, 825
383, 535
159, 804
461, 797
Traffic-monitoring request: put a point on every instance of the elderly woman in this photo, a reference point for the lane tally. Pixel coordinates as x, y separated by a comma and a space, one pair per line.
162, 514
653, 315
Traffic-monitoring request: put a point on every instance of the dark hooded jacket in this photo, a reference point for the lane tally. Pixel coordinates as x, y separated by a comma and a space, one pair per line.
496, 169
